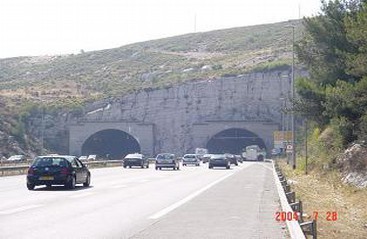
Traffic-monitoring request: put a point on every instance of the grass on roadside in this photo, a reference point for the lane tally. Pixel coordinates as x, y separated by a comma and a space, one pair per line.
340, 208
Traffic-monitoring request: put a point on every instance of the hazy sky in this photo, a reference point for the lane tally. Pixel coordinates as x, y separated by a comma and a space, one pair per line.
48, 27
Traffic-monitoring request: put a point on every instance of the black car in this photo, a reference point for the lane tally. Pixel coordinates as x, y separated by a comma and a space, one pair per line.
136, 160
219, 160
166, 160
57, 170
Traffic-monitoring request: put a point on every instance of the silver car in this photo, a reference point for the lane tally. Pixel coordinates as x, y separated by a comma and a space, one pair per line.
190, 159
166, 160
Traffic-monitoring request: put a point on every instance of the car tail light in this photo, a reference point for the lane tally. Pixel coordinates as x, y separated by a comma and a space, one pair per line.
64, 171
30, 171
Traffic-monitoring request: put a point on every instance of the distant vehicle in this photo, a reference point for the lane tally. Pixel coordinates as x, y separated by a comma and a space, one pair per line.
239, 158
136, 159
16, 158
232, 159
205, 158
190, 159
253, 153
92, 157
83, 158
57, 170
219, 160
200, 152
167, 160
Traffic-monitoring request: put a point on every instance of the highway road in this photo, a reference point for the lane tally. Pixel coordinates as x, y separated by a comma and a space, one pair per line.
194, 202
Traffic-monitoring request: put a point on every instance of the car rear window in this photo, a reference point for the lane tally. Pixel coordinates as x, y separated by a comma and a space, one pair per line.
165, 156
190, 156
43, 162
218, 156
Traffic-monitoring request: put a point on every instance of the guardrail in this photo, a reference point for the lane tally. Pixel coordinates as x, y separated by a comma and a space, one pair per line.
290, 205
23, 168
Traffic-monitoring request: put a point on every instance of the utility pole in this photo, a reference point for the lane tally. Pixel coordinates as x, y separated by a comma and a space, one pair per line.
42, 129
306, 145
293, 96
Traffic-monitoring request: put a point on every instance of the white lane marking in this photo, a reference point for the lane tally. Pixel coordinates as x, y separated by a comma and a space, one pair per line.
19, 209
188, 198
82, 195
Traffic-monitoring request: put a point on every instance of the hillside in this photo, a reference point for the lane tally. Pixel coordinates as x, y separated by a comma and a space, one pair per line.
147, 64
62, 81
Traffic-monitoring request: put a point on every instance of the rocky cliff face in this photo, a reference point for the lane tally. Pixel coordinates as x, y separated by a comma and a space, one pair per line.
353, 164
174, 110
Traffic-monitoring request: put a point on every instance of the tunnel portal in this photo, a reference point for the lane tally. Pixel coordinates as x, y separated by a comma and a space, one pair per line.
233, 141
110, 144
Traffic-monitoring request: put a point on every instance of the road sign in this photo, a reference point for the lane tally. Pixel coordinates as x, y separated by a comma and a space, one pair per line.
289, 148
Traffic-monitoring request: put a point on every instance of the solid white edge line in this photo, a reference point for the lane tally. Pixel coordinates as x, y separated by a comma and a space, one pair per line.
188, 198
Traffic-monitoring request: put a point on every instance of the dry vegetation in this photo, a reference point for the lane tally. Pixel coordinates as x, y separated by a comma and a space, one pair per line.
323, 192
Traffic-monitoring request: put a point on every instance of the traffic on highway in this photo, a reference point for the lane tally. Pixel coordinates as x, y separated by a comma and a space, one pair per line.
66, 199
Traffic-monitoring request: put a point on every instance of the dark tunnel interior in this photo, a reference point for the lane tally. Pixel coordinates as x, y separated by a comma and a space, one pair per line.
111, 144
233, 141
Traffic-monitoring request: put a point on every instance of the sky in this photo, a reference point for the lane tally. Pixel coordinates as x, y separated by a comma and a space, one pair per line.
52, 27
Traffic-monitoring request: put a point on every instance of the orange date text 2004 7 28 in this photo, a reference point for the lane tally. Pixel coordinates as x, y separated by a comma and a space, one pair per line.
294, 216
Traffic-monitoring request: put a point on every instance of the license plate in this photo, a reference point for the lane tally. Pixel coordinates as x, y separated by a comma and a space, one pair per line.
46, 178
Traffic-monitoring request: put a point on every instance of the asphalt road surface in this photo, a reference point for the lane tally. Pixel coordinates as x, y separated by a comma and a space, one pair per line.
194, 202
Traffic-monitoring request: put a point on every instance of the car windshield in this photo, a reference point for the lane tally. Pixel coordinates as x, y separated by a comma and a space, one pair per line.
49, 162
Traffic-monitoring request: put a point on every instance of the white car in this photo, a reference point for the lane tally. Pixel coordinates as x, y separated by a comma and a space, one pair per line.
16, 158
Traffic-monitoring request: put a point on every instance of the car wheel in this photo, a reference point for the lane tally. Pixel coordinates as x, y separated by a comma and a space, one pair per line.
147, 165
71, 183
156, 168
124, 166
129, 166
30, 186
48, 185
87, 181
228, 167
210, 166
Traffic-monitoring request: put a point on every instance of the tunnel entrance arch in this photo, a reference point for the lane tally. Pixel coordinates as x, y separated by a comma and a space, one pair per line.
111, 144
233, 141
